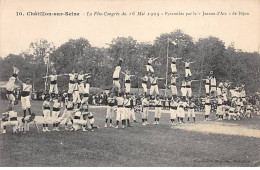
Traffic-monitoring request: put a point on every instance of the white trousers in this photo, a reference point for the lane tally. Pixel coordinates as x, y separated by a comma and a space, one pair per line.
127, 87
55, 115
154, 88
183, 91
10, 123
207, 88
120, 114
110, 112
173, 68
81, 88
25, 101
46, 116
191, 112
174, 90
144, 85
76, 97
132, 113
207, 109
149, 68
157, 112
116, 84
187, 72
173, 113
127, 113
145, 113
180, 112
10, 97
71, 87
189, 92
53, 88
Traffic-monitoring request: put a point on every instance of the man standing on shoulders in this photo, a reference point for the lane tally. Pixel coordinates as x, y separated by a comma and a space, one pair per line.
10, 88
26, 95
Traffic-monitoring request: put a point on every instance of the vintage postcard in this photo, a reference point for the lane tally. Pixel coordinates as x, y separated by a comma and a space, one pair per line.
129, 83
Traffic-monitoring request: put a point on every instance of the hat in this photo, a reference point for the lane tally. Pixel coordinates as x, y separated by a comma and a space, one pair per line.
28, 79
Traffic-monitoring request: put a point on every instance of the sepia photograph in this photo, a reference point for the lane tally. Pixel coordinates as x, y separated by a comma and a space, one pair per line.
130, 83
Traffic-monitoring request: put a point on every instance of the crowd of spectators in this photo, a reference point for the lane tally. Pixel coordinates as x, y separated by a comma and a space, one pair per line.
101, 99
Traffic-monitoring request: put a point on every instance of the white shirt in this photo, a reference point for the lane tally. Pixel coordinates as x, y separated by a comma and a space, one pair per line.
127, 102
188, 83
153, 80
207, 81
127, 77
81, 77
53, 77
69, 104
46, 104
187, 64
78, 113
145, 102
173, 80
232, 92
219, 101
120, 101
173, 59
220, 85
150, 61
76, 87
181, 105
174, 104
158, 102
27, 87
72, 77
207, 100
213, 82
145, 78
10, 84
86, 88
183, 84
56, 104
116, 72
12, 114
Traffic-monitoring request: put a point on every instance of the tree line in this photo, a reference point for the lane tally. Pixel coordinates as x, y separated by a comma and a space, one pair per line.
209, 54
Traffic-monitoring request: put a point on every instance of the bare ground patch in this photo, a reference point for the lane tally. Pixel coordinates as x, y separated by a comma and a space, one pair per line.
221, 128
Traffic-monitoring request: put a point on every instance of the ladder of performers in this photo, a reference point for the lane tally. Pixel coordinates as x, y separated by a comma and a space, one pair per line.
79, 87
78, 93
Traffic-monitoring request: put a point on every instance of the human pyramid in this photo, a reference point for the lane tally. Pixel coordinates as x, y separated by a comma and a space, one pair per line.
74, 104
73, 109
177, 104
233, 107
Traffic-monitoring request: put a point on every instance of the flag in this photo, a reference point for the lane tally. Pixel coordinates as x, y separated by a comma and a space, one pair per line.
173, 42
16, 70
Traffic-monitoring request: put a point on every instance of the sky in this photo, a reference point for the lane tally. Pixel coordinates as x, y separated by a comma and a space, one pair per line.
17, 32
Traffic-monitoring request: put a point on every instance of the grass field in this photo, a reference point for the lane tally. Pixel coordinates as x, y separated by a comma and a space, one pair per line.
227, 143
